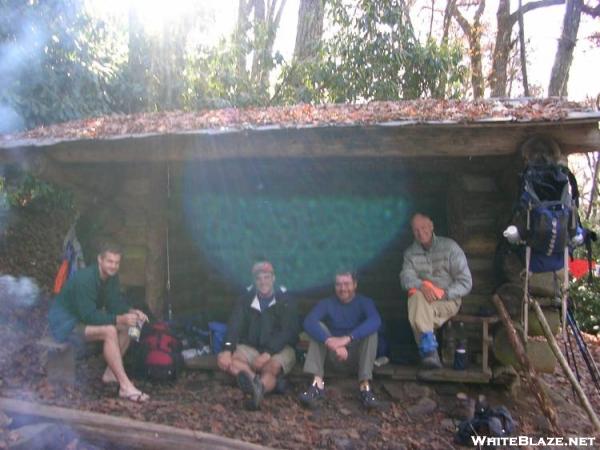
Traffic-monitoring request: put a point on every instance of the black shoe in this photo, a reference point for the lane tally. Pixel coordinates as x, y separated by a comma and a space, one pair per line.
245, 382
312, 396
368, 400
281, 385
252, 387
431, 360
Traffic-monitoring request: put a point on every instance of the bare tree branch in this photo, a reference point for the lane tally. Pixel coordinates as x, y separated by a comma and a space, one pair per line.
594, 12
531, 6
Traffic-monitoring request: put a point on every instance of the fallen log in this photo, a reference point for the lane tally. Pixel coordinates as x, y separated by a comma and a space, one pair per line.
122, 431
530, 373
565, 366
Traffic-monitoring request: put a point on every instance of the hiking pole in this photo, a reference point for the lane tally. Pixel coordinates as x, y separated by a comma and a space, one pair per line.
526, 300
565, 291
585, 353
169, 306
568, 346
566, 369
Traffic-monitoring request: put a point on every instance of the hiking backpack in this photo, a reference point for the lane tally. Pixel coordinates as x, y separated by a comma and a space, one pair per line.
547, 207
162, 353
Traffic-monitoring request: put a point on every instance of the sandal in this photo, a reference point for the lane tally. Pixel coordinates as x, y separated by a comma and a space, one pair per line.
135, 397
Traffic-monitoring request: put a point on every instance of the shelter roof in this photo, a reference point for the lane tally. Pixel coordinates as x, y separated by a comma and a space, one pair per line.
335, 122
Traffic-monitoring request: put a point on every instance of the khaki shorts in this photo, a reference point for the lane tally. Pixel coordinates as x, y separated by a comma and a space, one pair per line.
286, 357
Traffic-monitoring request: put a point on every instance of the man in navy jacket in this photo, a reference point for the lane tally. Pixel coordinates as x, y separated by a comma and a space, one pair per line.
343, 331
261, 334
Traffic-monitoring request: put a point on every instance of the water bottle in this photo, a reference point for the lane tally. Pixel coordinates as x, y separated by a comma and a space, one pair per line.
135, 331
460, 354
512, 234
449, 345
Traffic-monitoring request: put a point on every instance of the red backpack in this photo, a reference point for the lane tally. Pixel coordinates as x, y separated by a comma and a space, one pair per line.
162, 350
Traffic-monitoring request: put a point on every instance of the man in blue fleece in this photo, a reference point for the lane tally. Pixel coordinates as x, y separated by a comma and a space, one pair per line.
343, 331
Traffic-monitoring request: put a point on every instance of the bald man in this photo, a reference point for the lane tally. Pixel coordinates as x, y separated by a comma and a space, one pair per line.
436, 275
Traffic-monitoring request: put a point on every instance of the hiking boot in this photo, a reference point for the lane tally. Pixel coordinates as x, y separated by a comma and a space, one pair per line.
252, 387
312, 396
431, 360
368, 400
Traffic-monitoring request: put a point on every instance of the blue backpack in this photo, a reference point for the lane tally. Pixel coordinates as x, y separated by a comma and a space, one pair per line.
548, 206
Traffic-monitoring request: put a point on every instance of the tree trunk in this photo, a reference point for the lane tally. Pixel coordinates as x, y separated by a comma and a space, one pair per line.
266, 23
503, 45
135, 61
522, 50
473, 33
564, 53
498, 78
309, 30
239, 37
595, 166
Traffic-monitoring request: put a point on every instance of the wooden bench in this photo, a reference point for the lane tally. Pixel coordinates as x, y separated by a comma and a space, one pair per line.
59, 360
486, 340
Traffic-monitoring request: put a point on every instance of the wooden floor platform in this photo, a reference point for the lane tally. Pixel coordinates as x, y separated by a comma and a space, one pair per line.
393, 371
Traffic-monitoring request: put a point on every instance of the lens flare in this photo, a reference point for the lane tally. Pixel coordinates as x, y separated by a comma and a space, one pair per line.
308, 220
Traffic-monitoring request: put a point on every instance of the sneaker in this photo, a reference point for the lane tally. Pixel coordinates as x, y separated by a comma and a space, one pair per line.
312, 396
431, 360
252, 387
368, 400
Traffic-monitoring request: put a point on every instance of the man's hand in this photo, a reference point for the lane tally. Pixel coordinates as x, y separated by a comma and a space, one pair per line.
341, 353
127, 320
224, 361
260, 361
335, 342
429, 292
140, 314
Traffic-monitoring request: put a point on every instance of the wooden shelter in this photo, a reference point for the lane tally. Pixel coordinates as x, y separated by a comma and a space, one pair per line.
459, 159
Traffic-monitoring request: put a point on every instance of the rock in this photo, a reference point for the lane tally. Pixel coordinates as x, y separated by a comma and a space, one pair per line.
539, 352
345, 411
448, 425
415, 391
424, 407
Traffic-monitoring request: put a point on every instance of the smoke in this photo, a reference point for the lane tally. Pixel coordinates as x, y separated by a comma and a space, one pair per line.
10, 120
18, 291
19, 59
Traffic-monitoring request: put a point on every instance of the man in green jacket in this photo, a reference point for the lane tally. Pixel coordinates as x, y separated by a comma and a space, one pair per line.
90, 308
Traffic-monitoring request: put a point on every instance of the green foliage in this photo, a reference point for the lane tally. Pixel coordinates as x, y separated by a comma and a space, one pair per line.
28, 190
374, 55
586, 298
215, 81
56, 62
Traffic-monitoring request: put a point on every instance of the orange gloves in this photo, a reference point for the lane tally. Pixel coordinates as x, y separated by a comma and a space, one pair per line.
439, 292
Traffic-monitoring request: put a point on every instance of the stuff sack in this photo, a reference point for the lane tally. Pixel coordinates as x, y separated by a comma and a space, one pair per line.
162, 353
493, 422
547, 208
